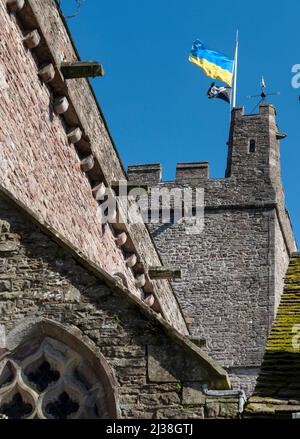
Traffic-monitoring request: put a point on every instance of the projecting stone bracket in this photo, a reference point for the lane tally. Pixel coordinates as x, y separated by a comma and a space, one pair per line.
164, 273
81, 69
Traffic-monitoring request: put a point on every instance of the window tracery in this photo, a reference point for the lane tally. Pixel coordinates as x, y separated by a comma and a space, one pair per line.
50, 381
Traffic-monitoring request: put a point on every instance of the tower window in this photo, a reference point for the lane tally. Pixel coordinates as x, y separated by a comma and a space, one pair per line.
252, 146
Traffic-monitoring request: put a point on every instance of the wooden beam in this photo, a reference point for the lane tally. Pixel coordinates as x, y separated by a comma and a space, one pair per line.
164, 273
81, 69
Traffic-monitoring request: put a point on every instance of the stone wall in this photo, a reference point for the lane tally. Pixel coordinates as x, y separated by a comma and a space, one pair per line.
150, 173
277, 393
38, 164
157, 373
281, 263
224, 290
192, 171
233, 269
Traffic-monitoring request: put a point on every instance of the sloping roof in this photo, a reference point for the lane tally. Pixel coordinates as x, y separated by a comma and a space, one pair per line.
277, 390
67, 183
219, 377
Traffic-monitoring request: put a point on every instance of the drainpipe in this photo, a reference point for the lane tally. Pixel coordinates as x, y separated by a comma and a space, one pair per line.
239, 393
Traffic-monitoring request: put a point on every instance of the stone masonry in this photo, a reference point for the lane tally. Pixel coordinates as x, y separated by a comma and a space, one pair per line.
233, 270
277, 391
40, 166
152, 370
85, 332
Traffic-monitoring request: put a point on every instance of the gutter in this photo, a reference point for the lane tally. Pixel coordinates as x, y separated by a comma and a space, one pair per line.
239, 393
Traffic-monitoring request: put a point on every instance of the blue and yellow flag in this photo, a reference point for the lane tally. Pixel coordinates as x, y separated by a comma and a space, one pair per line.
213, 64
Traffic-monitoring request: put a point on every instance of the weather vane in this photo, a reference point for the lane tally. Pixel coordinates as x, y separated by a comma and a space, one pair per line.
263, 96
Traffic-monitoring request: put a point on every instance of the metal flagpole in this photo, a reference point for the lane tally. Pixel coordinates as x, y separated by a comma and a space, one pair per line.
235, 70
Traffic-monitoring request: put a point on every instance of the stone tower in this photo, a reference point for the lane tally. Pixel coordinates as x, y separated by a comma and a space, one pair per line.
85, 331
233, 270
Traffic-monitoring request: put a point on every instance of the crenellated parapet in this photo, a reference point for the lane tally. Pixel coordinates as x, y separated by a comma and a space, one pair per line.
232, 267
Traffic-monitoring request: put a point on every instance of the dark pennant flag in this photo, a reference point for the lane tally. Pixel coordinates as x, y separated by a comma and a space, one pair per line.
220, 92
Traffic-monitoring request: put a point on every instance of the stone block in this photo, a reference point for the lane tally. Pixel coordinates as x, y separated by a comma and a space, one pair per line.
212, 409
169, 364
229, 410
180, 413
192, 393
5, 285
8, 246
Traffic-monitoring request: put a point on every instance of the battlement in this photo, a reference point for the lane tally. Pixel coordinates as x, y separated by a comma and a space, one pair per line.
233, 271
191, 172
253, 154
149, 173
186, 172
254, 149
264, 108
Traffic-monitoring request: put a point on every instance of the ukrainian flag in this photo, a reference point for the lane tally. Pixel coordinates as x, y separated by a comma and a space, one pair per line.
213, 64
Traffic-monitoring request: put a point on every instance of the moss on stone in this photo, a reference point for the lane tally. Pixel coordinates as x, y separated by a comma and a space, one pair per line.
279, 380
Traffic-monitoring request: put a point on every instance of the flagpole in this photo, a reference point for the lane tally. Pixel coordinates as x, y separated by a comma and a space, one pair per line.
235, 70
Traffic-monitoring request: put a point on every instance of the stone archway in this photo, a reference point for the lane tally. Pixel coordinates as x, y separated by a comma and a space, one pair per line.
51, 371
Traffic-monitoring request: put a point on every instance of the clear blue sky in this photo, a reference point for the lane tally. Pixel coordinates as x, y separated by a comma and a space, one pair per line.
155, 101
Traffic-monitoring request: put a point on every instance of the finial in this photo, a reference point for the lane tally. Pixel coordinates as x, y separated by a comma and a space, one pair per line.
263, 86
263, 94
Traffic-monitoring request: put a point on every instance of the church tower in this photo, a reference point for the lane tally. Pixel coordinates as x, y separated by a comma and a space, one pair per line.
233, 270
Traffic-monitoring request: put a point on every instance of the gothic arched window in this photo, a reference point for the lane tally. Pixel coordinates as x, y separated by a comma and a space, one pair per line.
46, 378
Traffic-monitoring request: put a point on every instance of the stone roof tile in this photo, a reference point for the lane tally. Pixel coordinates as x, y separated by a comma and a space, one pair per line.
278, 385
